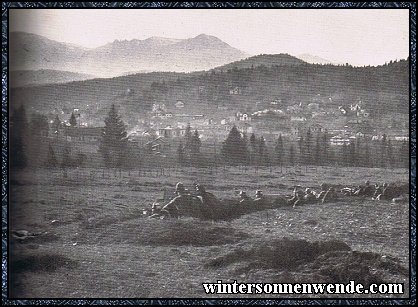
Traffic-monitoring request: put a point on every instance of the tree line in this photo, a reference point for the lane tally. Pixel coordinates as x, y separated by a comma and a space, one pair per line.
237, 149
313, 149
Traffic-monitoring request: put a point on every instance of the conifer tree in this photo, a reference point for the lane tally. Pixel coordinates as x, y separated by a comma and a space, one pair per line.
195, 145
56, 124
180, 154
234, 149
279, 150
51, 160
253, 149
292, 155
114, 143
73, 120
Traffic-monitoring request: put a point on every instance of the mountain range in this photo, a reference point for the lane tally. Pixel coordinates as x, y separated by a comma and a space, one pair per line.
20, 78
34, 52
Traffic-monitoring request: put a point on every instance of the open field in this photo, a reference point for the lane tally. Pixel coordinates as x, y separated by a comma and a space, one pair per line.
95, 242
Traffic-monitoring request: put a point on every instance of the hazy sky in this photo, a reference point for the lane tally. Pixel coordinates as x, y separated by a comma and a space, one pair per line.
356, 36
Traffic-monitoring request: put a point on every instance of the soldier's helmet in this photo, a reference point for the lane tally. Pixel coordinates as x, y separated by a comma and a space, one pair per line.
180, 187
200, 188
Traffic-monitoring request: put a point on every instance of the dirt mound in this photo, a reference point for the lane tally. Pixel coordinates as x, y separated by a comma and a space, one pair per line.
326, 261
280, 254
166, 232
40, 263
363, 267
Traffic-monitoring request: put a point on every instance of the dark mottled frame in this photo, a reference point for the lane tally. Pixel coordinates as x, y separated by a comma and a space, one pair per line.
229, 5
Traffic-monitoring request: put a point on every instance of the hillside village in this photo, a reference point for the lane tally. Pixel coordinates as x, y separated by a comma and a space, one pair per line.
164, 125
269, 96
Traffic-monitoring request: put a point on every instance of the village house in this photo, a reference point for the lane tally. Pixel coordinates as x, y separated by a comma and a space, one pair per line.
339, 140
170, 132
85, 134
166, 132
179, 104
317, 128
296, 108
235, 91
297, 118
157, 145
244, 117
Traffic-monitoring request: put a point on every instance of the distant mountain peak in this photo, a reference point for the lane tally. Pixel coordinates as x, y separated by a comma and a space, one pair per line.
313, 59
207, 38
203, 52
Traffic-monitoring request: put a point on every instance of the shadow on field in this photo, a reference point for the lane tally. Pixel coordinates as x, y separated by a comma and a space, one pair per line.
40, 263
326, 261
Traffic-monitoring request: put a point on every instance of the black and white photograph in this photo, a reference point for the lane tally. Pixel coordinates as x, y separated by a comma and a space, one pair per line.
208, 153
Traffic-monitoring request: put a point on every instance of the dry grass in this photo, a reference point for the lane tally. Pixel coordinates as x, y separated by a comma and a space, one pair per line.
100, 245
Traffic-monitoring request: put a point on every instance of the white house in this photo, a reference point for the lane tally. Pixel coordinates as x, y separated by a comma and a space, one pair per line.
244, 117
297, 118
339, 140
235, 91
179, 104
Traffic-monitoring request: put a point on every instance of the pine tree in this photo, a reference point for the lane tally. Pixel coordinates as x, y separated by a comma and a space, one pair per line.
188, 133
56, 124
180, 154
195, 145
245, 139
301, 144
51, 160
389, 154
246, 142
66, 156
234, 150
114, 143
279, 150
383, 149
262, 151
308, 147
352, 154
344, 155
367, 153
318, 153
39, 125
253, 149
404, 154
73, 120
325, 147
187, 139
292, 155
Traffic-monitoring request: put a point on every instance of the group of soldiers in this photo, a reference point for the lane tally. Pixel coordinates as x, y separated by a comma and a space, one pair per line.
201, 203
197, 204
376, 192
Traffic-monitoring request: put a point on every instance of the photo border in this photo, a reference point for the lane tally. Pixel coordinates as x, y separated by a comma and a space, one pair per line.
411, 6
